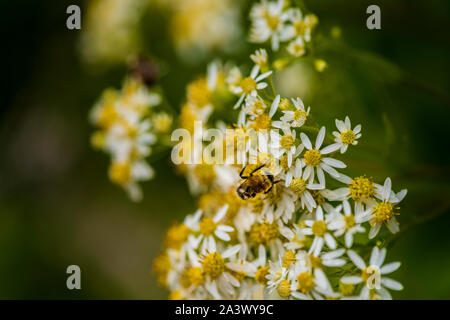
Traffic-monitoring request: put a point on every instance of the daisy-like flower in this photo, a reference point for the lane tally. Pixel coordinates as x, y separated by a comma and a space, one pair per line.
260, 58
250, 85
314, 160
320, 230
310, 284
301, 27
208, 229
373, 275
297, 183
279, 279
296, 47
219, 282
268, 22
295, 236
384, 212
346, 136
284, 144
298, 117
348, 223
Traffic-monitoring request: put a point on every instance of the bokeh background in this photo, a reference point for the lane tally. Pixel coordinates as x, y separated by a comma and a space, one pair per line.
58, 208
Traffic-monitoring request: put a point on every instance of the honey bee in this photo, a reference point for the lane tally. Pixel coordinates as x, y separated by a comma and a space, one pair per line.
255, 183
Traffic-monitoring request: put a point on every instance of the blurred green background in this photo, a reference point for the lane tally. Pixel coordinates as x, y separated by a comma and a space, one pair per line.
58, 208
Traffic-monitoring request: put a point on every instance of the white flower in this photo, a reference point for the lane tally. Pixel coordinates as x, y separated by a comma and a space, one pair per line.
208, 228
372, 272
297, 183
268, 21
384, 211
296, 237
310, 284
348, 223
260, 58
319, 228
346, 136
250, 85
296, 47
284, 144
298, 117
315, 162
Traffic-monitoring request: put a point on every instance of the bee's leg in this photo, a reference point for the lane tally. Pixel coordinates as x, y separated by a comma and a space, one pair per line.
242, 172
261, 166
268, 190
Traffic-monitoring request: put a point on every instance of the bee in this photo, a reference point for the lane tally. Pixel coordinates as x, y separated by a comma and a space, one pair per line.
255, 183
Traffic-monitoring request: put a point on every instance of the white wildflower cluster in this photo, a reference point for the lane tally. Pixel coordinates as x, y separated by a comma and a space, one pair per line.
290, 224
277, 22
128, 125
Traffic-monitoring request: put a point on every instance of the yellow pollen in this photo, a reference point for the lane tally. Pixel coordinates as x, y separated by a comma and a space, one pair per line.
348, 137
108, 116
205, 173
362, 188
300, 115
258, 107
284, 288
176, 235
272, 21
262, 122
213, 265
384, 211
313, 157
198, 92
175, 295
319, 228
284, 163
195, 276
349, 221
260, 275
300, 27
120, 173
288, 258
298, 185
161, 266
305, 282
248, 85
263, 233
346, 289
207, 226
287, 142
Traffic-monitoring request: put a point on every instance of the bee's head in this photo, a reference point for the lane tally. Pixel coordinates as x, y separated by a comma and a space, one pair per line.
245, 192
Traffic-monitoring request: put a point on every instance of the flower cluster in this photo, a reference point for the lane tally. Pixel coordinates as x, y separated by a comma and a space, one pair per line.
128, 126
306, 230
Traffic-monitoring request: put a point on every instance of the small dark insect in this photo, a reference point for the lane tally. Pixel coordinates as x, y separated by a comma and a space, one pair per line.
145, 69
255, 183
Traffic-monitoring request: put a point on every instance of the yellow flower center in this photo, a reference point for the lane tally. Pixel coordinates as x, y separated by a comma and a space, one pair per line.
305, 282
383, 212
162, 122
175, 295
108, 116
263, 233
288, 258
362, 188
205, 173
346, 289
313, 157
262, 122
120, 172
258, 107
318, 197
300, 27
213, 265
248, 85
207, 226
161, 266
176, 235
287, 142
272, 21
300, 115
348, 137
298, 185
198, 92
284, 288
349, 221
195, 276
260, 275
319, 228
